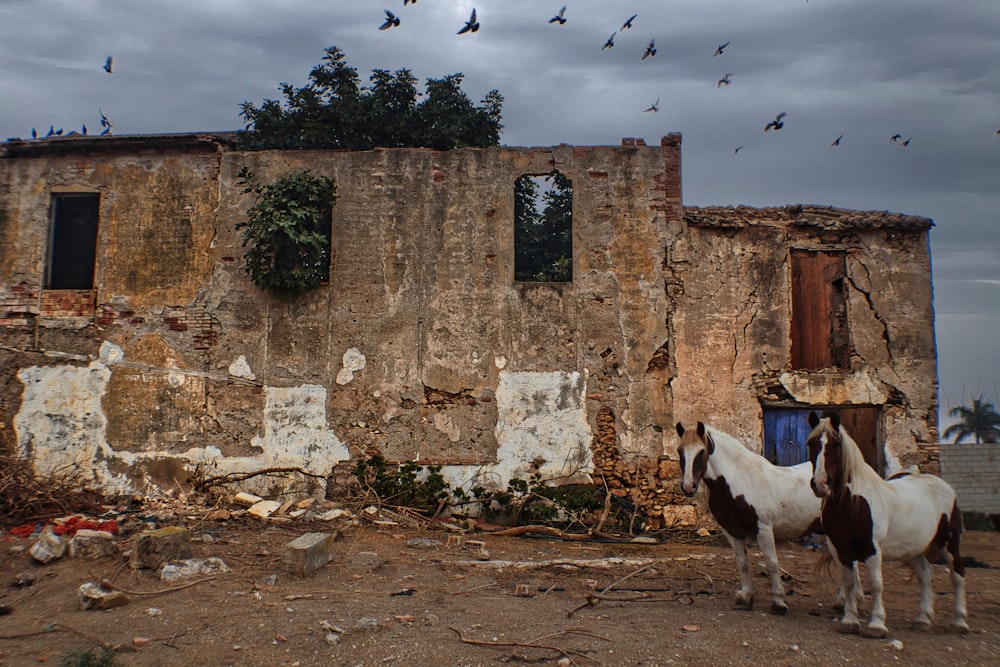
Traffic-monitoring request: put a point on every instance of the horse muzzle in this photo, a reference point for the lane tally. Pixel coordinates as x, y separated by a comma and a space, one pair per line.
689, 489
821, 489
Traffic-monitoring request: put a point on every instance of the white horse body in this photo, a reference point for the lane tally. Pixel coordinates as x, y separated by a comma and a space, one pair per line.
780, 494
750, 497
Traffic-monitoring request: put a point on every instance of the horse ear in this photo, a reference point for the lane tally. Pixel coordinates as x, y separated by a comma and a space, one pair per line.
835, 420
710, 443
813, 419
680, 430
701, 430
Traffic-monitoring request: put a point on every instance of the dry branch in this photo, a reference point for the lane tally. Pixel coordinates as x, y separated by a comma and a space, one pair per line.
533, 643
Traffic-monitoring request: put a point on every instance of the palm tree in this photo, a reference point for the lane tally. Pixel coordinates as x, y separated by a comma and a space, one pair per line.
980, 420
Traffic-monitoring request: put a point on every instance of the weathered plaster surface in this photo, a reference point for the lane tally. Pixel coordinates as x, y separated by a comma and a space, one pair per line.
542, 428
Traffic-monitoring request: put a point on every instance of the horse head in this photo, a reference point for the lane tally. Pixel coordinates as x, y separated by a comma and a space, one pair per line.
694, 448
825, 446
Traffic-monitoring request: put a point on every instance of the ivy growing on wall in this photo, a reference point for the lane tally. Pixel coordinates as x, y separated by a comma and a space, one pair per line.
287, 230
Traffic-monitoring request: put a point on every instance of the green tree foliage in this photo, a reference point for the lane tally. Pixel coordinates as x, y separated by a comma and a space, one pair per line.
543, 230
287, 231
334, 111
980, 420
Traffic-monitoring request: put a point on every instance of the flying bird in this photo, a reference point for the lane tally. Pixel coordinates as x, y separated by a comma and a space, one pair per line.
391, 21
104, 119
559, 17
628, 24
719, 49
406, 2
472, 25
610, 44
650, 50
907, 142
738, 149
777, 123
894, 137
655, 107
836, 142
109, 64
724, 81
107, 131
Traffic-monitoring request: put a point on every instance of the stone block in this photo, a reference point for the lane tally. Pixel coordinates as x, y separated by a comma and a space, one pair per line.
96, 596
93, 544
307, 553
153, 548
48, 547
192, 567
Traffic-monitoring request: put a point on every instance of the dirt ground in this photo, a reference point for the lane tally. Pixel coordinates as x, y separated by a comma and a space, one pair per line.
393, 597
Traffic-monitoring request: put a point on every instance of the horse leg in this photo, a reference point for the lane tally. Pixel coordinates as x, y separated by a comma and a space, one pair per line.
850, 585
765, 540
961, 622
843, 591
922, 568
744, 596
876, 625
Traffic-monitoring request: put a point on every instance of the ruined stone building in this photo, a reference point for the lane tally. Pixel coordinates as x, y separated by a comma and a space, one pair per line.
134, 345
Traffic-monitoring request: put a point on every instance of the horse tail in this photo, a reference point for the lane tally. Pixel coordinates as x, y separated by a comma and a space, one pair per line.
823, 563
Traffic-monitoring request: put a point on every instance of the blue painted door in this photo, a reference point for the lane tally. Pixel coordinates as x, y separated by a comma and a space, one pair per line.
785, 432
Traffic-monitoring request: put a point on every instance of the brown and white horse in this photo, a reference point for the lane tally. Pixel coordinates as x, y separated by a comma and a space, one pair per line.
912, 518
751, 498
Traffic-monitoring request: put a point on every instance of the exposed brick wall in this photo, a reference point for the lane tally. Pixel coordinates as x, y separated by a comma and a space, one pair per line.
974, 471
68, 303
18, 304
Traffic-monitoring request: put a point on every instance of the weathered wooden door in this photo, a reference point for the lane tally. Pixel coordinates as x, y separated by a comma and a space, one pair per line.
786, 429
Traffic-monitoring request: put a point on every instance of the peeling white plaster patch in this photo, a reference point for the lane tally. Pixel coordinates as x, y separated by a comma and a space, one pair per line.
444, 423
241, 369
542, 427
500, 362
353, 362
176, 380
110, 353
295, 430
61, 422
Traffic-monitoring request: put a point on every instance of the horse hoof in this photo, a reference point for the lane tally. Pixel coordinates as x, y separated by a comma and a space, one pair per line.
779, 609
746, 604
920, 626
848, 628
962, 627
876, 631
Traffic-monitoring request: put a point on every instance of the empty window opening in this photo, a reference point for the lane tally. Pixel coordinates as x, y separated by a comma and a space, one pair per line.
820, 337
543, 228
73, 241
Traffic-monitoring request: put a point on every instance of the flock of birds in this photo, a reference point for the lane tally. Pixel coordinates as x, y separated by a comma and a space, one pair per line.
472, 25
391, 20
109, 65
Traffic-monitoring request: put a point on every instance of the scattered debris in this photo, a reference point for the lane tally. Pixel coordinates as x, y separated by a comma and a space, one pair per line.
307, 553
153, 548
97, 596
93, 544
192, 567
48, 547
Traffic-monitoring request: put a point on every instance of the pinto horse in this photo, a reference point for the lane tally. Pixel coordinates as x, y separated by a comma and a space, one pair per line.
750, 497
912, 518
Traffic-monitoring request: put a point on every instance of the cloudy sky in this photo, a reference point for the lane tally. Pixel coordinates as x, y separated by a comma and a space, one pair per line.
928, 70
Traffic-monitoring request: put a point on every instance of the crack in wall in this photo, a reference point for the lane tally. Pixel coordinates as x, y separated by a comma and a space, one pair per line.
874, 311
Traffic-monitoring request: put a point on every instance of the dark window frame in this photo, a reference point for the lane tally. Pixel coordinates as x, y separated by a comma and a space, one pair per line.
71, 255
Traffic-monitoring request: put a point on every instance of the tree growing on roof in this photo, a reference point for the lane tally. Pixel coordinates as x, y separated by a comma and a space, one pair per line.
334, 111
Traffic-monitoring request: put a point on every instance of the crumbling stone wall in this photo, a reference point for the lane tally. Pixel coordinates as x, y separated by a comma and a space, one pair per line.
422, 347
732, 326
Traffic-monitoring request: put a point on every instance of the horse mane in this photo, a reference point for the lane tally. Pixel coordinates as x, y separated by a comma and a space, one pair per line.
854, 468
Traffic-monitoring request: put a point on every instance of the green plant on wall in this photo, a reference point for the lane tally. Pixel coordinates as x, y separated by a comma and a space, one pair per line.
287, 231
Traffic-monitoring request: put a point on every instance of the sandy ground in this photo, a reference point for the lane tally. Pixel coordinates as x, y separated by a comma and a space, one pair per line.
401, 597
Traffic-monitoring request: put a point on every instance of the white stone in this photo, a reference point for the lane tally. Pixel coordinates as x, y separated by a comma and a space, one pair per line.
264, 508
241, 369
110, 353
